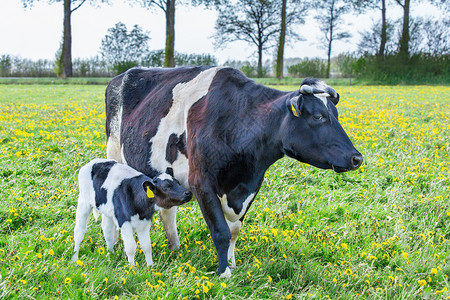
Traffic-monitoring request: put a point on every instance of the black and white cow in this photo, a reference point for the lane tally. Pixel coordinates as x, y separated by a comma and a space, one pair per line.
220, 132
127, 200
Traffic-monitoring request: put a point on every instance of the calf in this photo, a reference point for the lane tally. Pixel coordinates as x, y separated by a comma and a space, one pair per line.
127, 199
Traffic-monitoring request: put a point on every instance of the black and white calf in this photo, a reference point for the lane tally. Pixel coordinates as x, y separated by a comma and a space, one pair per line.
127, 199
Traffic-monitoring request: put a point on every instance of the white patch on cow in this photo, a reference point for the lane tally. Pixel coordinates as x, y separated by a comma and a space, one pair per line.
113, 149
165, 176
158, 208
122, 157
322, 97
229, 213
184, 96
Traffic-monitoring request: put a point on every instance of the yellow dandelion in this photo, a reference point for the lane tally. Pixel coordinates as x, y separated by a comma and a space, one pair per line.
205, 289
405, 254
289, 296
124, 280
334, 280
434, 271
51, 252
269, 279
23, 281
348, 272
101, 250
422, 282
223, 284
80, 263
67, 280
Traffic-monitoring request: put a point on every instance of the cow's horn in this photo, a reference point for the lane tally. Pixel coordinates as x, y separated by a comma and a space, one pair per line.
331, 92
306, 89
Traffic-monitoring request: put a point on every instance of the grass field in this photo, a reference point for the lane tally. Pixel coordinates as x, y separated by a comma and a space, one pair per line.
381, 232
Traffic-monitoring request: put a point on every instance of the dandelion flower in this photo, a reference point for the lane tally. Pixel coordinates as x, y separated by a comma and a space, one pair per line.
289, 296
269, 279
80, 263
101, 250
51, 252
434, 271
348, 272
223, 284
67, 280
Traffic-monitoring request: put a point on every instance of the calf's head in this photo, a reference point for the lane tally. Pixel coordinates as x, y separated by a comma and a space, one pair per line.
166, 190
311, 132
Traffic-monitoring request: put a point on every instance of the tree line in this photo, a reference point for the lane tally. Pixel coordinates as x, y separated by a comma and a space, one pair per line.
269, 24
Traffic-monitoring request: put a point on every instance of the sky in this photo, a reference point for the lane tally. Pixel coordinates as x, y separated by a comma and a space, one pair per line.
36, 32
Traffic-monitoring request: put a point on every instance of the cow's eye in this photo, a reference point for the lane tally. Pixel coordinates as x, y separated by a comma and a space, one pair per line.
318, 117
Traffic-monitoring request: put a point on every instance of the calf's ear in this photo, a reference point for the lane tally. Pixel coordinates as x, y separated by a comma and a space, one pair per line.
149, 188
294, 105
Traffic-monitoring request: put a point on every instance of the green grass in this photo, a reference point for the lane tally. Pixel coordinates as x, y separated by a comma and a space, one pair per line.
381, 232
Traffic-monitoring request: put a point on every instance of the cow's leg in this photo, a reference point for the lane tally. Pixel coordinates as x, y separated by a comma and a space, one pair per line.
169, 220
146, 244
113, 149
109, 231
81, 220
128, 241
214, 218
234, 229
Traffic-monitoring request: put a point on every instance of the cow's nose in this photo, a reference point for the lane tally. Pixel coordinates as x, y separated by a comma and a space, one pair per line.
188, 194
357, 161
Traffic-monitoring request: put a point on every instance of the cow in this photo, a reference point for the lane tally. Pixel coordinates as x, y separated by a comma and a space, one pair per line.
127, 200
220, 131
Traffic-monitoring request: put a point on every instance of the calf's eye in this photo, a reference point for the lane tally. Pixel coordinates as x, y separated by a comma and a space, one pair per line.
318, 117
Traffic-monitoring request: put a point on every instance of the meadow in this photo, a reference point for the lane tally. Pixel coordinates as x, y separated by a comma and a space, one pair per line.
381, 232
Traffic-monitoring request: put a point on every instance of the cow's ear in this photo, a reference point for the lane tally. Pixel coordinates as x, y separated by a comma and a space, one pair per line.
294, 105
149, 188
169, 171
335, 100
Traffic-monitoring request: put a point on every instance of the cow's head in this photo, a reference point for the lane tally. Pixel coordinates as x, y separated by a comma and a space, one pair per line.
166, 191
311, 132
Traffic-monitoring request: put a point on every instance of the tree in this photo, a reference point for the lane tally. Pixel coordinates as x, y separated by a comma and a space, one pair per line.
65, 59
124, 49
404, 37
289, 16
371, 42
253, 21
168, 7
330, 18
361, 6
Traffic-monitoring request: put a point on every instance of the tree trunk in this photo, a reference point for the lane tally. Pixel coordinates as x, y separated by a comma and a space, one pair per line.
66, 53
260, 52
383, 36
330, 41
404, 39
281, 42
170, 34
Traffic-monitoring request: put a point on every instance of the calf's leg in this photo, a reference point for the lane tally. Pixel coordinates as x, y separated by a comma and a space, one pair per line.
146, 244
81, 219
128, 241
110, 232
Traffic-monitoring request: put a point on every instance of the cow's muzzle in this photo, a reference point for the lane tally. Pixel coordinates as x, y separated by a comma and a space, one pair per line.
354, 163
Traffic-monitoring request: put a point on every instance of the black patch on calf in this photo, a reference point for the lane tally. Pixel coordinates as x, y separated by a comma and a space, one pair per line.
130, 199
99, 173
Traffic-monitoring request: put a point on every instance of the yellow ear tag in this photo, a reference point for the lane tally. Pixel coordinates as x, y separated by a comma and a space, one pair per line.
150, 193
294, 111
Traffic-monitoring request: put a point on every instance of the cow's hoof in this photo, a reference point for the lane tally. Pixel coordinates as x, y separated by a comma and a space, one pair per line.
226, 274
173, 246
